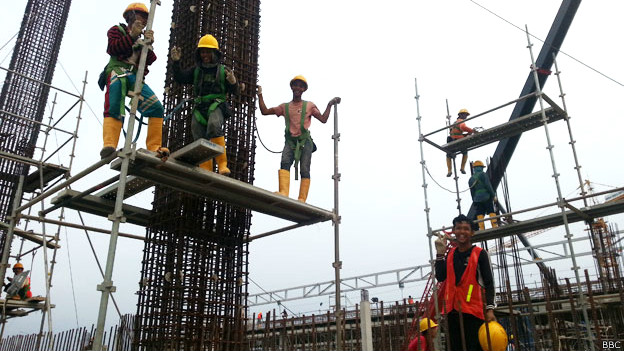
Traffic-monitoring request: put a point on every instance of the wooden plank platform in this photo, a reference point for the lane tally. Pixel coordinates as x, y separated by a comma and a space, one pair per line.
50, 172
194, 180
549, 221
102, 207
503, 131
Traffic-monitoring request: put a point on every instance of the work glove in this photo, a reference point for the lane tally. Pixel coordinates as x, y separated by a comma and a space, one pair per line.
136, 29
149, 35
176, 53
229, 75
334, 101
440, 244
259, 90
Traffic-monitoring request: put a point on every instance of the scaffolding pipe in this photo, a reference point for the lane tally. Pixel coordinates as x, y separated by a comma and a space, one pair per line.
337, 263
78, 226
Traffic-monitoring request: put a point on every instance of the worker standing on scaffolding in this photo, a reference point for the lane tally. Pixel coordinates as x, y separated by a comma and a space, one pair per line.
299, 145
466, 269
211, 82
119, 77
459, 129
483, 195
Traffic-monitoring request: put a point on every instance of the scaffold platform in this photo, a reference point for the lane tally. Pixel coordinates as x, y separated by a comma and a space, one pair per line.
503, 131
550, 221
48, 173
21, 308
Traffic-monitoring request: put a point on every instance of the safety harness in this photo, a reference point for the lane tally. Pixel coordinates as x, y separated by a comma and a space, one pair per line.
297, 143
213, 99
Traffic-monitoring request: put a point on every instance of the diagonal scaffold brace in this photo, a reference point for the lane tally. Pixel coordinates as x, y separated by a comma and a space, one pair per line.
117, 216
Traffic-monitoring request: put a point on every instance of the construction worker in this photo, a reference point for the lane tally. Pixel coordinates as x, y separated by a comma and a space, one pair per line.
212, 81
424, 341
465, 270
483, 195
24, 292
459, 129
299, 145
410, 300
119, 77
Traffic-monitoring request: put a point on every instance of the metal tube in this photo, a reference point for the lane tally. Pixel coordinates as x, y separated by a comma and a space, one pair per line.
337, 263
538, 90
33, 121
39, 81
99, 186
78, 226
276, 231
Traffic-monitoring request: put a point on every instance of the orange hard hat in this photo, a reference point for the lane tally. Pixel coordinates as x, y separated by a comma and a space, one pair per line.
136, 6
18, 265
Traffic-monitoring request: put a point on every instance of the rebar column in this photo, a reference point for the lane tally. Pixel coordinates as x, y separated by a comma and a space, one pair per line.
193, 287
41, 32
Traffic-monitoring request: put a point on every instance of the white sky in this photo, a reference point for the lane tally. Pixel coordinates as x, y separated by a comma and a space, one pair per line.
368, 54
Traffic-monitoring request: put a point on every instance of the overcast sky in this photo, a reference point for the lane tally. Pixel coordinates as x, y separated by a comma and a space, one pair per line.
369, 53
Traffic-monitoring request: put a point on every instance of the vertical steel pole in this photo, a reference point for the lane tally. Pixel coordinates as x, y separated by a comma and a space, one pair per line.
423, 165
575, 267
117, 217
337, 263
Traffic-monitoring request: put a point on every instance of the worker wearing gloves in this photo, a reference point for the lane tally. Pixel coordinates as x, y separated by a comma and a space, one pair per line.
459, 130
212, 81
483, 195
119, 77
24, 292
466, 269
299, 146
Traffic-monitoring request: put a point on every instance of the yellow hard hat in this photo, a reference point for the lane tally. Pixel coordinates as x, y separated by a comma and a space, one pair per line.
136, 6
425, 323
478, 164
498, 337
463, 110
208, 41
18, 265
301, 78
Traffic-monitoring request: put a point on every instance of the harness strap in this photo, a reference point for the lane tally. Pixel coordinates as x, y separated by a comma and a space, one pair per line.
214, 99
297, 143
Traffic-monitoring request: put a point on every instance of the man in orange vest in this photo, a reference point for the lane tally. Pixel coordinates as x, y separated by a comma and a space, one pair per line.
459, 129
466, 269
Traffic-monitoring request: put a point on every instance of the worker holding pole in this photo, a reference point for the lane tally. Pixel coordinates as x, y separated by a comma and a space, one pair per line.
299, 146
212, 81
119, 76
466, 269
459, 129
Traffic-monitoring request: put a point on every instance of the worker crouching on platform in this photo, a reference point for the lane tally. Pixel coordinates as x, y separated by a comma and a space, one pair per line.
459, 129
424, 342
212, 81
483, 195
119, 77
299, 146
466, 269
24, 292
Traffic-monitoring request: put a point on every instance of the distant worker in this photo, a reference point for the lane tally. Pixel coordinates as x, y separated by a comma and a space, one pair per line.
284, 314
483, 195
424, 342
120, 76
466, 269
259, 316
212, 81
24, 291
299, 145
410, 300
459, 129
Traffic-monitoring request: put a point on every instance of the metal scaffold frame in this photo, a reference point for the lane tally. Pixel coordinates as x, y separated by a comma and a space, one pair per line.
568, 212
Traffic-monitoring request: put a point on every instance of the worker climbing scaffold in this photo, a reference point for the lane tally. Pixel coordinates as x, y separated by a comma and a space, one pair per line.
119, 77
459, 129
299, 145
483, 195
212, 81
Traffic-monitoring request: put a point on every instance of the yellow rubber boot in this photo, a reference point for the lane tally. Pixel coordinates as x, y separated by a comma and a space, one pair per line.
284, 182
154, 137
481, 224
304, 187
221, 159
463, 164
493, 221
448, 167
206, 165
110, 136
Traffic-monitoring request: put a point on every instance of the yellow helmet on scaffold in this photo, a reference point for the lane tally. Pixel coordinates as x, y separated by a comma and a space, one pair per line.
463, 110
478, 164
301, 78
498, 337
136, 6
427, 323
208, 42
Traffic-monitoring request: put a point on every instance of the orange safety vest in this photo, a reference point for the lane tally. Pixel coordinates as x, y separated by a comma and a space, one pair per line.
456, 132
467, 293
